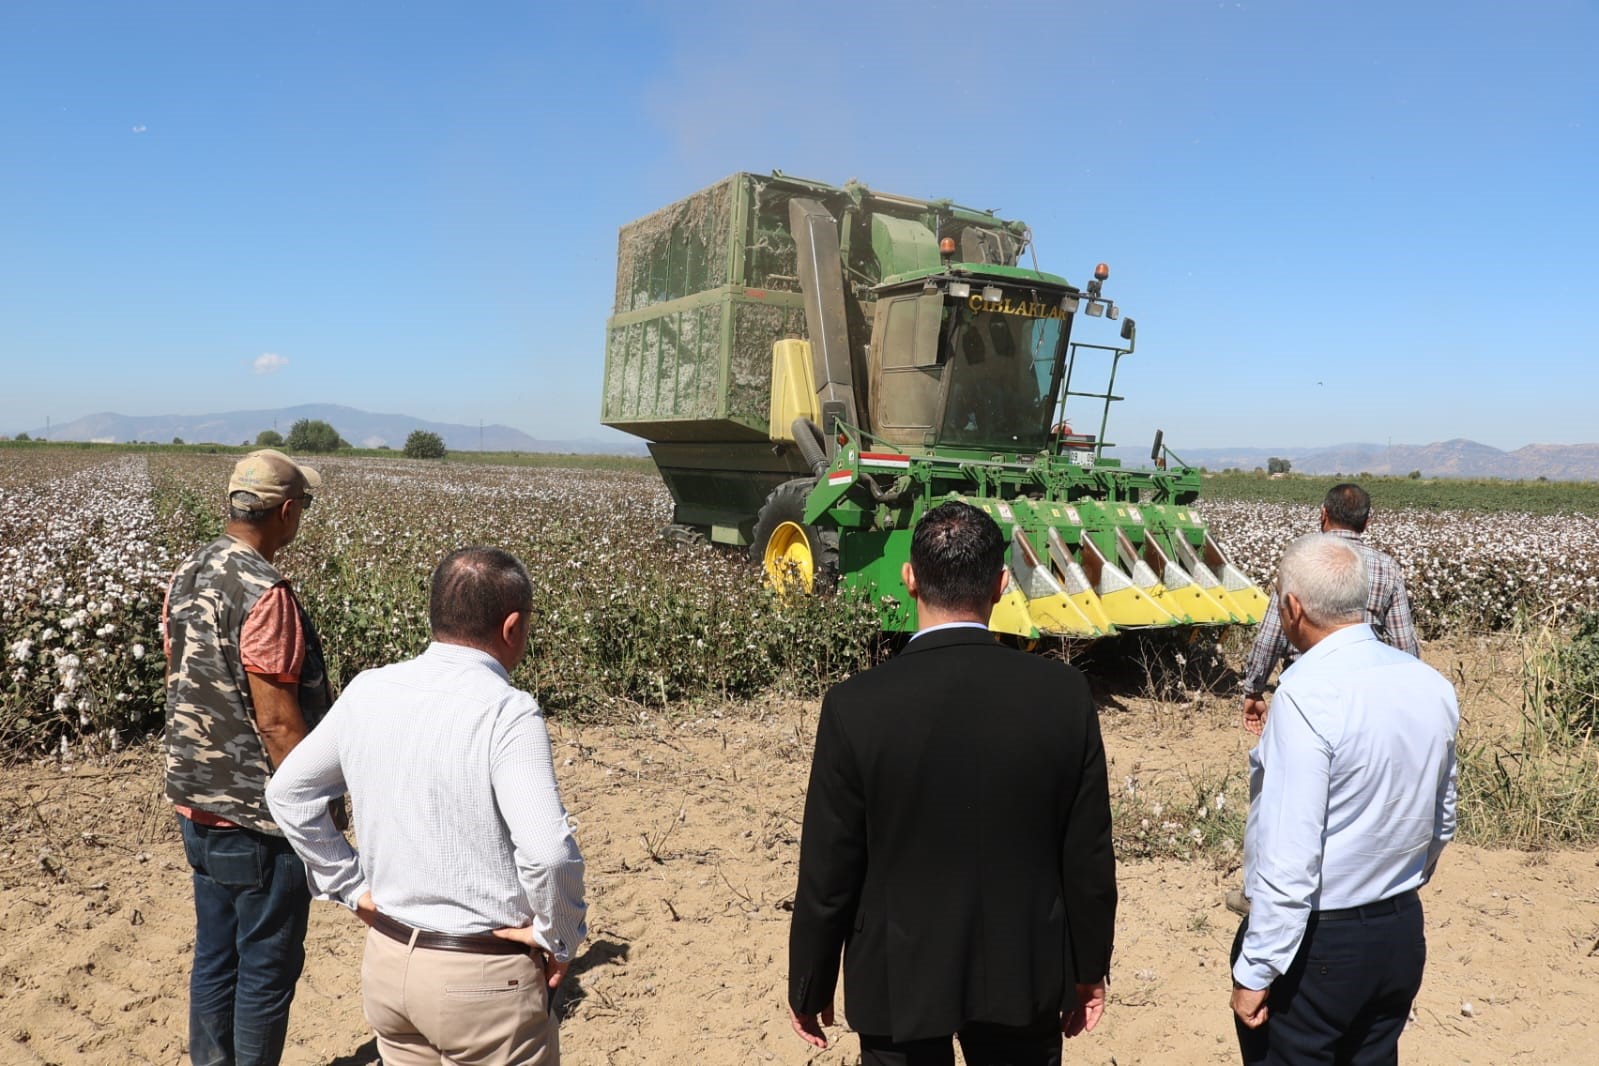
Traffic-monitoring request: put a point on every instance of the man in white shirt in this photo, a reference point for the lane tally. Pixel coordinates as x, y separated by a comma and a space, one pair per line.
1352, 799
468, 875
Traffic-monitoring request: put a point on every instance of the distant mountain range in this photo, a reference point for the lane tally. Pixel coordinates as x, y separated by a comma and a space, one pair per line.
361, 428
1457, 458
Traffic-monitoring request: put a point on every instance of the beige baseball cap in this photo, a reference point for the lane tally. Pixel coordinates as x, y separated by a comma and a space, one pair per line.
273, 477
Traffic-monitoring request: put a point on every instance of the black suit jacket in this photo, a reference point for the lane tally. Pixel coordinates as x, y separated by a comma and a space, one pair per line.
957, 842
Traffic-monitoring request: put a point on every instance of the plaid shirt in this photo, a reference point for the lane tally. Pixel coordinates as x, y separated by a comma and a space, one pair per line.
1387, 609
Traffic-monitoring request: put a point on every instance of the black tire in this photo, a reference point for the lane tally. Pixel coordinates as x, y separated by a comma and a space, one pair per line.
783, 513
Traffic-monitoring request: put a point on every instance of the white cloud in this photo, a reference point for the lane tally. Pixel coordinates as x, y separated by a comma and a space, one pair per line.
140, 128
270, 363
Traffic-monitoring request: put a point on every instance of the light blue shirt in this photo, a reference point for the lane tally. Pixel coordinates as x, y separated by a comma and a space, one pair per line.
1352, 791
461, 824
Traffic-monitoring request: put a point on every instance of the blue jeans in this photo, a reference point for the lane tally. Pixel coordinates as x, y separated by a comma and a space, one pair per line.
250, 909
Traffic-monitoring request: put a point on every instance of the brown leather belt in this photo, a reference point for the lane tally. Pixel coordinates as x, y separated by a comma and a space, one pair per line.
470, 943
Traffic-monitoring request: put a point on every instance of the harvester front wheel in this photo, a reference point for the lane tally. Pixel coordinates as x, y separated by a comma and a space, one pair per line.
794, 553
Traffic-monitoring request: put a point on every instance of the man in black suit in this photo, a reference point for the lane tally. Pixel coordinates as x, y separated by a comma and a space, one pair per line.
957, 842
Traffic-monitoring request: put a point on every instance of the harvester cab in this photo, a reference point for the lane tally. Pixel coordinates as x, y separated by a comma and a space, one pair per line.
960, 361
815, 367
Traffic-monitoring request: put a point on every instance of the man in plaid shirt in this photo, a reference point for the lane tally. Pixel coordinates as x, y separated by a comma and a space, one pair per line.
1344, 513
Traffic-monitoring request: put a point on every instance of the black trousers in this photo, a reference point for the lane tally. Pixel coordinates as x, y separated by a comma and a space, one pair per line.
1347, 994
982, 1044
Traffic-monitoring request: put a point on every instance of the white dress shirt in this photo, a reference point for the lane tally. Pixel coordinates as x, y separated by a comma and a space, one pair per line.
457, 812
1352, 791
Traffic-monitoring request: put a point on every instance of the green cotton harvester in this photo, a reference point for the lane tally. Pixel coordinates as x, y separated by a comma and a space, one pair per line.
815, 366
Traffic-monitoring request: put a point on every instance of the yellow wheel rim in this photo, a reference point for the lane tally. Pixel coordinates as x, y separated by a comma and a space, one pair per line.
789, 562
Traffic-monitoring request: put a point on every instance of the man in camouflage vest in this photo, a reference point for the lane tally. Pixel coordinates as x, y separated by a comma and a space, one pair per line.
245, 682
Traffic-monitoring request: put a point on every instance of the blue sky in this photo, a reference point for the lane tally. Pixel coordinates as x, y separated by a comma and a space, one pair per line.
1333, 222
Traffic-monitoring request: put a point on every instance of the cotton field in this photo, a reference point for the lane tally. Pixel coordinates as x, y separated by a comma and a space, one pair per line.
626, 622
1468, 569
80, 591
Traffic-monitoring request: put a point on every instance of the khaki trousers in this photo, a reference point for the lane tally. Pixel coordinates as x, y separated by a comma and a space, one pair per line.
449, 1008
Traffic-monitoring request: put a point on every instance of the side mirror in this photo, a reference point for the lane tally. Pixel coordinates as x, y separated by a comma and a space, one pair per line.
1129, 328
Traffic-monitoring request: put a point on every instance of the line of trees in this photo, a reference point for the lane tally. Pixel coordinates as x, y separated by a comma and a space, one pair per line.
314, 436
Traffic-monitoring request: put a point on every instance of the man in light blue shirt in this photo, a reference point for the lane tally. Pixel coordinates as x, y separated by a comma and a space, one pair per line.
1352, 799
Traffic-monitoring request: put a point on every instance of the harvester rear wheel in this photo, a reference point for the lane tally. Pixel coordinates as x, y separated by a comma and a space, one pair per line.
794, 553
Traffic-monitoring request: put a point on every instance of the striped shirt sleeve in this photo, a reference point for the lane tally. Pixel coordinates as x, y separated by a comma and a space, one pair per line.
1269, 647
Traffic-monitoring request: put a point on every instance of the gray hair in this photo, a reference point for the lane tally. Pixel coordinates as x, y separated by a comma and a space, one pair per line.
246, 508
1327, 576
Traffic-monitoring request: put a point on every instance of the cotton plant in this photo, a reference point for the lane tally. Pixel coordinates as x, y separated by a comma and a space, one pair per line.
1463, 569
80, 584
622, 618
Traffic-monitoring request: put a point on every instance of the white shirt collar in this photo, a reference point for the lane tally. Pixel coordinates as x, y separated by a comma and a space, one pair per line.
462, 653
948, 625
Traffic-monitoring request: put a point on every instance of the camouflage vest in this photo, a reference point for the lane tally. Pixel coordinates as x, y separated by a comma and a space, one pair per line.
216, 760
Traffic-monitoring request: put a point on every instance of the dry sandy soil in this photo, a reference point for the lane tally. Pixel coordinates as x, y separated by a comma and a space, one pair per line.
690, 826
